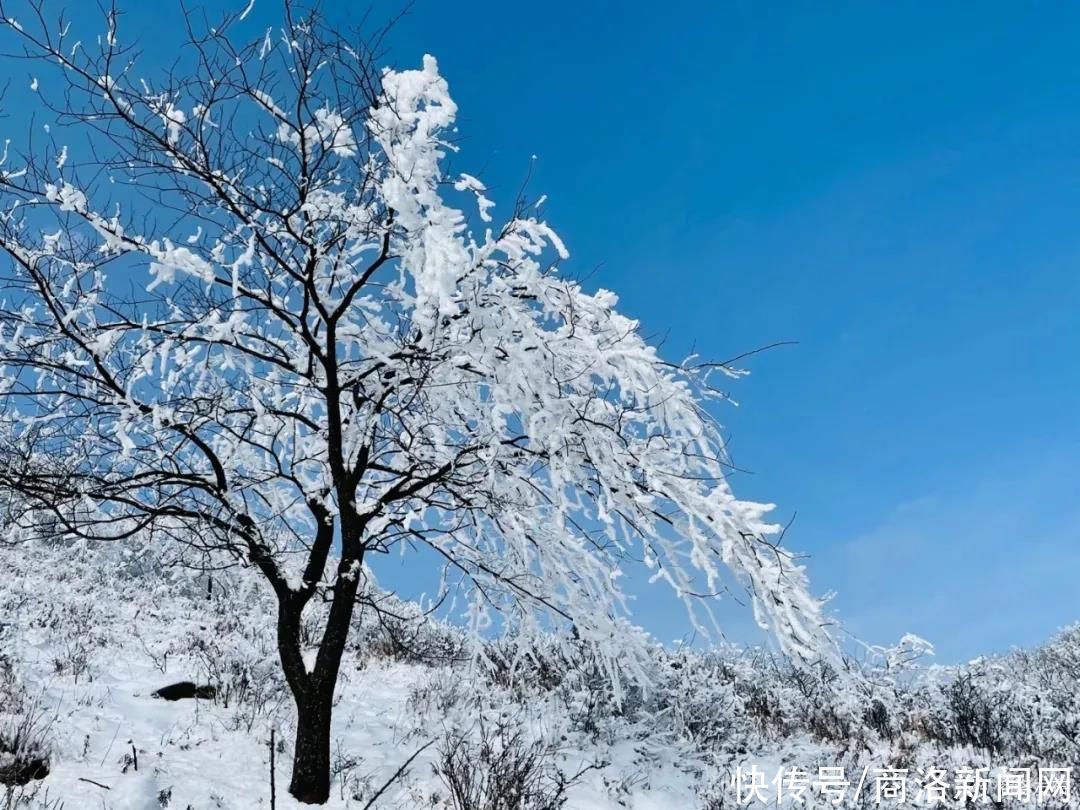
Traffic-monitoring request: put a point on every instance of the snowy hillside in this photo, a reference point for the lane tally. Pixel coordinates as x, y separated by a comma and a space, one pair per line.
418, 725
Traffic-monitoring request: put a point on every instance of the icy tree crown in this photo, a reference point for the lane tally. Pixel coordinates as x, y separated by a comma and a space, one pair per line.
322, 358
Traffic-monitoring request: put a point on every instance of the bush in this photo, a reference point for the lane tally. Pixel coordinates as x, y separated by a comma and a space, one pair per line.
500, 769
24, 748
389, 628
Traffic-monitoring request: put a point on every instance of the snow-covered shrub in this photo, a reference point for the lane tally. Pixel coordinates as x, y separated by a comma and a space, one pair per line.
76, 623
33, 796
387, 627
1015, 706
238, 661
24, 733
496, 765
24, 750
699, 697
592, 698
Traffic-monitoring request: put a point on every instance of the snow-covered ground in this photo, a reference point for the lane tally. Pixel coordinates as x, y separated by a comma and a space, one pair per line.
85, 644
85, 648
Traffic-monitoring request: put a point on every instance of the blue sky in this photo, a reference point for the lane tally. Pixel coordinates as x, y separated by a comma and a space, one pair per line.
896, 189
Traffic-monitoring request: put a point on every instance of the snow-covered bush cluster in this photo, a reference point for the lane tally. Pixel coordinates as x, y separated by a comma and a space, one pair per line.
422, 722
24, 732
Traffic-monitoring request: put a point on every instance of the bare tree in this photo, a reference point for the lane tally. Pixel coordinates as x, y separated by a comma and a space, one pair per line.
241, 313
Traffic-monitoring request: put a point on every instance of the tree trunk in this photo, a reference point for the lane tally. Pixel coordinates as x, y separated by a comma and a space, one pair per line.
313, 691
311, 761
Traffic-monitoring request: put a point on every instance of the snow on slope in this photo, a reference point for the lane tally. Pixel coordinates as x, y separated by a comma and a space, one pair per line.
90, 647
86, 636
192, 753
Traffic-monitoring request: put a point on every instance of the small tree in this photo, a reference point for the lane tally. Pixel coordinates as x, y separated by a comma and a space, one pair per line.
242, 313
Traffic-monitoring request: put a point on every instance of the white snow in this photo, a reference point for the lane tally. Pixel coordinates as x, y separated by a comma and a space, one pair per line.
87, 639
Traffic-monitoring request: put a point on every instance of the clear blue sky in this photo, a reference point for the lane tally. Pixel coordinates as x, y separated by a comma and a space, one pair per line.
894, 186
